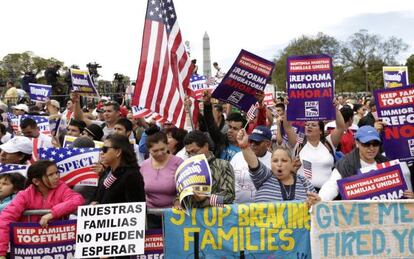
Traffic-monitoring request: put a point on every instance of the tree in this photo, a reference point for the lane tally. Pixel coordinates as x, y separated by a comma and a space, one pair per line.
410, 66
304, 45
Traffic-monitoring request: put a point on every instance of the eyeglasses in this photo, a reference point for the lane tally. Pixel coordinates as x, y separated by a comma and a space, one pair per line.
371, 144
105, 149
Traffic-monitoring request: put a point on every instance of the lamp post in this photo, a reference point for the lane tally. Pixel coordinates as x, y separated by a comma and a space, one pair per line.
366, 77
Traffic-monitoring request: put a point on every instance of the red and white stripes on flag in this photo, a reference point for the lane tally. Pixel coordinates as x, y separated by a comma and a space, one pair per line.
165, 68
307, 169
140, 112
379, 166
252, 112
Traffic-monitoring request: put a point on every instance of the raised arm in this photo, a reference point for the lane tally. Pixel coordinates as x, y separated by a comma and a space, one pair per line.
77, 110
337, 133
248, 154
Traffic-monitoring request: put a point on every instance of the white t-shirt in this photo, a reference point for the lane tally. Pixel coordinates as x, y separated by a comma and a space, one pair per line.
317, 163
44, 141
330, 189
245, 190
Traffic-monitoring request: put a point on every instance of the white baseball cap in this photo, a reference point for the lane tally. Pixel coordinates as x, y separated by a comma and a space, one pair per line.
18, 144
55, 103
21, 106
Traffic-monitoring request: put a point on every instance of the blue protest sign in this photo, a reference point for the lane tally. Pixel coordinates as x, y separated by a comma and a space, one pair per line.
247, 75
39, 92
395, 76
82, 82
310, 88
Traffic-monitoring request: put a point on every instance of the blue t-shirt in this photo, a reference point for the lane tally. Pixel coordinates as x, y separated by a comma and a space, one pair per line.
229, 152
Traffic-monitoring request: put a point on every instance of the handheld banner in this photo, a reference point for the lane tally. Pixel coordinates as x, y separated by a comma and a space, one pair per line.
256, 230
68, 142
74, 164
39, 92
395, 76
382, 184
247, 75
199, 83
310, 88
110, 230
30, 240
14, 123
140, 112
154, 245
193, 175
82, 83
395, 106
362, 229
13, 168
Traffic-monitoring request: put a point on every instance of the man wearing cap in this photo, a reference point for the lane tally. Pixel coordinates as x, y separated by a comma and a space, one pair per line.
20, 109
260, 141
365, 154
17, 150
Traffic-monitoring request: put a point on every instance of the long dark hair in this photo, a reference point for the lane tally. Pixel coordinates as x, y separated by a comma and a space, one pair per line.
38, 170
128, 157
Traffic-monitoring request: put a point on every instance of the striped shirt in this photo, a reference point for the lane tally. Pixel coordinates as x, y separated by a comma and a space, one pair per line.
268, 187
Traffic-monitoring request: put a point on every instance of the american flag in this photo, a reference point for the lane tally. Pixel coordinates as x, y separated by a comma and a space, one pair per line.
379, 166
252, 112
307, 169
14, 123
165, 68
140, 112
42, 123
200, 83
12, 168
74, 164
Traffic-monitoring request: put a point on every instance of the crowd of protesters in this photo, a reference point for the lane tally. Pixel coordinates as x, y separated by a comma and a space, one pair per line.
261, 160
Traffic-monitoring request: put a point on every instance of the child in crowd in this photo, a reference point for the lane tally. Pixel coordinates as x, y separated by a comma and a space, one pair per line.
10, 184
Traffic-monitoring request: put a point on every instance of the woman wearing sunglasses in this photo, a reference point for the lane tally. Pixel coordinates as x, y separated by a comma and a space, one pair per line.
365, 154
121, 180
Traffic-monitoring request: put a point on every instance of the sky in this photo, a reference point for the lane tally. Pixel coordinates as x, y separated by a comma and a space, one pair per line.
109, 32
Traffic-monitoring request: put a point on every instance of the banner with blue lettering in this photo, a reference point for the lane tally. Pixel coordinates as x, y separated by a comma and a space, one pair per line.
39, 92
74, 164
82, 82
30, 240
362, 229
247, 75
42, 123
255, 230
395, 76
395, 106
385, 183
13, 168
200, 83
310, 88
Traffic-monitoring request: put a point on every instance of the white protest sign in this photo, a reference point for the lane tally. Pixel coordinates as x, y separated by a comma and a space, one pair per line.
110, 230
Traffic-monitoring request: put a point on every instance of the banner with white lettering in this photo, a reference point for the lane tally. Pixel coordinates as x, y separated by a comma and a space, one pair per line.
200, 83
13, 168
395, 106
395, 76
39, 92
110, 230
42, 123
74, 164
154, 245
82, 82
248, 74
362, 229
385, 183
310, 88
31, 241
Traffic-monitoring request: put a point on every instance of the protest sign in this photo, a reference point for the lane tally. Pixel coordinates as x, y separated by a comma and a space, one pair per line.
42, 123
310, 88
193, 175
362, 229
39, 92
13, 168
82, 82
68, 142
74, 164
154, 245
382, 184
31, 241
395, 106
247, 75
268, 100
395, 76
14, 123
200, 83
110, 230
140, 112
256, 230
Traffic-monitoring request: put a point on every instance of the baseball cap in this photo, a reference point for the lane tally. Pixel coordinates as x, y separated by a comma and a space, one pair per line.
21, 106
261, 133
18, 144
366, 134
55, 103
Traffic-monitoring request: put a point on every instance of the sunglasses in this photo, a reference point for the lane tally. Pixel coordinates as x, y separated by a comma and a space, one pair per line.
105, 149
373, 144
